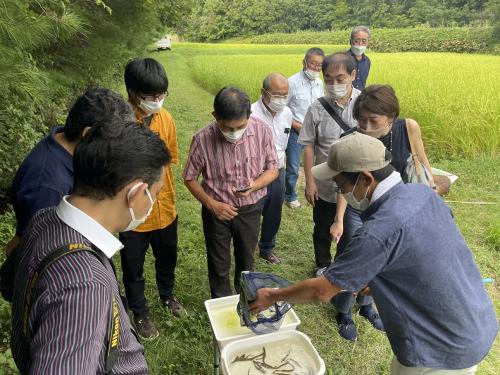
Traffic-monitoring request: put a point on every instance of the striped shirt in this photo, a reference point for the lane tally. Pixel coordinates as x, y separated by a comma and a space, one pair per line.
68, 321
225, 165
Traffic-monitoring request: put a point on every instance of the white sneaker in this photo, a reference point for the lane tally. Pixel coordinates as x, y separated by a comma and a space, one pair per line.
294, 204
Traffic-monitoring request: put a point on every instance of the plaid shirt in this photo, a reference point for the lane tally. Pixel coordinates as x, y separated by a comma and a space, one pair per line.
225, 165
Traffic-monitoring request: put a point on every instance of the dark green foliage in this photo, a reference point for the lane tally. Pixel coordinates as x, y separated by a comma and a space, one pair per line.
51, 51
424, 39
214, 20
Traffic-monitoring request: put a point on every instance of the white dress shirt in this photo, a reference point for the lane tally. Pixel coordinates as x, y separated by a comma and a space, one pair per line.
280, 125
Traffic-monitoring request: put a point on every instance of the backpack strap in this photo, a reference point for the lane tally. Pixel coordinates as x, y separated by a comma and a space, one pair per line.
331, 111
113, 335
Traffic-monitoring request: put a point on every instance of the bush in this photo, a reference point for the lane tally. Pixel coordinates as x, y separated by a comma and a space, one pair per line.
50, 52
418, 39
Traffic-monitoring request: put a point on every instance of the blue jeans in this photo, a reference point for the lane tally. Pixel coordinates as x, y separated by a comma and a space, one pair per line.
271, 214
293, 152
344, 300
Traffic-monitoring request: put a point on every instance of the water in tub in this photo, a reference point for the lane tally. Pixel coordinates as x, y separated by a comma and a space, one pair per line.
228, 322
279, 358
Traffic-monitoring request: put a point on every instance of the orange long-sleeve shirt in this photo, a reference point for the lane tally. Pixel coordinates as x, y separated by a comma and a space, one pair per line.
164, 211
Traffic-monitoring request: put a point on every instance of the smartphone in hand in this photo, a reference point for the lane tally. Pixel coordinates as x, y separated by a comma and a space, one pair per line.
242, 189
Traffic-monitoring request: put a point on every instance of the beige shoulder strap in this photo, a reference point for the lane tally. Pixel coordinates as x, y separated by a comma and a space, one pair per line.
413, 147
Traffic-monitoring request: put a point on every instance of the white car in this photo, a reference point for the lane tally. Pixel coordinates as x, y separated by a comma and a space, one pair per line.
164, 43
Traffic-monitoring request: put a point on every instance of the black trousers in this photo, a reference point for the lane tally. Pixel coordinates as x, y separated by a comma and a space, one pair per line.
323, 216
244, 232
164, 245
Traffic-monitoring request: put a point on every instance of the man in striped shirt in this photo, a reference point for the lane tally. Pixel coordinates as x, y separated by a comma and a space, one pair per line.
117, 176
236, 157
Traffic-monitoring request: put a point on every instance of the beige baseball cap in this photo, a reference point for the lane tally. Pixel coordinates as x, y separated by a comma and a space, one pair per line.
355, 152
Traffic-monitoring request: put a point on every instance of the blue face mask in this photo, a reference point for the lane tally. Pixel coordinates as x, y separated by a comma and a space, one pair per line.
354, 203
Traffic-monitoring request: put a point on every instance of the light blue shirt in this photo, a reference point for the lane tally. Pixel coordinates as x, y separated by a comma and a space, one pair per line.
302, 92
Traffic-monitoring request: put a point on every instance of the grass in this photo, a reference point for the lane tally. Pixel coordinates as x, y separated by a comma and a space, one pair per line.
459, 111
185, 345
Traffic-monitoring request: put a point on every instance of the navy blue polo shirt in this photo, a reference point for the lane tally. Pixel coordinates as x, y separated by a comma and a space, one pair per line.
44, 177
423, 278
362, 71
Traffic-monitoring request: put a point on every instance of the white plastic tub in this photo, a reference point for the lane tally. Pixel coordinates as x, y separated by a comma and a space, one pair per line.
281, 340
225, 321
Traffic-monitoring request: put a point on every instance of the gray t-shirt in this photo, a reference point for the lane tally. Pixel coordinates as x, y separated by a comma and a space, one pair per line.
321, 130
423, 278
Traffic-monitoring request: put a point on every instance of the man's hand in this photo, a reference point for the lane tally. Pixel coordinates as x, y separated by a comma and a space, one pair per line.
296, 125
336, 231
311, 192
245, 193
222, 211
263, 301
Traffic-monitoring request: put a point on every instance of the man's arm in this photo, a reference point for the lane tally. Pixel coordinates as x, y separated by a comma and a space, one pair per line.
364, 258
337, 228
222, 211
296, 125
262, 181
311, 188
318, 289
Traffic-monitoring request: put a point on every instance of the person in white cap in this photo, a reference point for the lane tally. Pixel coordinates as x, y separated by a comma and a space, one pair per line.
410, 256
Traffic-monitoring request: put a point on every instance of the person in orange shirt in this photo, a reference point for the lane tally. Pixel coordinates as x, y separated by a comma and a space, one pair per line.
147, 87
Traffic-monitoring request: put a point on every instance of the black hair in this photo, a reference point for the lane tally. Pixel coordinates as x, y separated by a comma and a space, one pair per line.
110, 158
96, 107
146, 76
231, 103
314, 51
339, 59
379, 174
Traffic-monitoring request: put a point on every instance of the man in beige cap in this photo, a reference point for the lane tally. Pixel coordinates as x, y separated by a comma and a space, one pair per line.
411, 257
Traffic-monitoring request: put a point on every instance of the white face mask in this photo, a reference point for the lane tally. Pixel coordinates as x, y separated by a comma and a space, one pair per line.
233, 137
134, 222
336, 91
358, 50
311, 74
149, 107
354, 203
277, 104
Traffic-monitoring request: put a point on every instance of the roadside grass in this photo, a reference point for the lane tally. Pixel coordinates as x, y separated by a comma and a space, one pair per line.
185, 345
459, 111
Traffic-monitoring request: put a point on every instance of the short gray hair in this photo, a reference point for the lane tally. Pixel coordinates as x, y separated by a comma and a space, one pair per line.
266, 85
357, 29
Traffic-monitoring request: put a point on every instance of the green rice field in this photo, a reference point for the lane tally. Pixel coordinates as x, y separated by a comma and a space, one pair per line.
454, 97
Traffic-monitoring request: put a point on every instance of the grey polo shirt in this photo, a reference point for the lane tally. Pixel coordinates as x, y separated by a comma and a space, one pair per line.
320, 130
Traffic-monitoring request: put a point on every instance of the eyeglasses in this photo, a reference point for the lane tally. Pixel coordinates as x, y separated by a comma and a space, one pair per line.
360, 41
314, 64
276, 96
154, 98
338, 189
